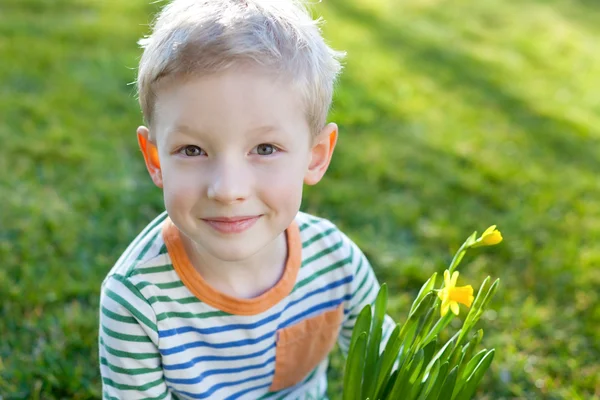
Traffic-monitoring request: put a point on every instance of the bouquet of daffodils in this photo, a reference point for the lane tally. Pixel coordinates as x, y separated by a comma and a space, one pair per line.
415, 364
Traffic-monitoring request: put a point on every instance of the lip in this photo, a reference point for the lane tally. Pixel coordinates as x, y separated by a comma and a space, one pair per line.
232, 224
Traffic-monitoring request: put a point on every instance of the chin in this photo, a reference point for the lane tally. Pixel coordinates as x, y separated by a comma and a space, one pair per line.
233, 253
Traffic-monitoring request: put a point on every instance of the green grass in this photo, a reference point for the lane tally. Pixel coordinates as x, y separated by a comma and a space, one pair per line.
453, 115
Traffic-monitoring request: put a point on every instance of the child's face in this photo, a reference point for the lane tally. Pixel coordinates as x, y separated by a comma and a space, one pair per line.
234, 149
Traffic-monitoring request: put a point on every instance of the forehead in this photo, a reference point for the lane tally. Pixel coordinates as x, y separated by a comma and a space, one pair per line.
238, 99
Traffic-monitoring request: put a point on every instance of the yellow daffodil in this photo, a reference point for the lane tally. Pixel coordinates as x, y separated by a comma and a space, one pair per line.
452, 295
490, 237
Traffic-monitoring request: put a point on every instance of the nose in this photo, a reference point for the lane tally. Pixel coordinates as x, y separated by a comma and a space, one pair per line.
229, 182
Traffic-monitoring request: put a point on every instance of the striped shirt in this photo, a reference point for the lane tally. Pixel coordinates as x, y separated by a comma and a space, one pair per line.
166, 334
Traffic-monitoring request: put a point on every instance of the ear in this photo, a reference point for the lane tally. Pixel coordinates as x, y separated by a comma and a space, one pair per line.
320, 154
150, 153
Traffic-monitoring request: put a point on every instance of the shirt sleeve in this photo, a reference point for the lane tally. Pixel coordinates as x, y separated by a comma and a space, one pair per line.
364, 289
130, 363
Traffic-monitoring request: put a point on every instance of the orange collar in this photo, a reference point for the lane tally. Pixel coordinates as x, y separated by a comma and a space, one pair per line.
233, 305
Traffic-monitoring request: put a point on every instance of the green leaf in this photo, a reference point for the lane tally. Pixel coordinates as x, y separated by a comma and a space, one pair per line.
413, 367
472, 363
475, 312
468, 350
437, 328
407, 334
388, 387
458, 356
386, 362
425, 289
470, 387
356, 354
363, 324
433, 380
490, 294
462, 251
443, 353
468, 370
429, 350
371, 367
423, 306
414, 389
448, 385
425, 327
480, 294
354, 368
417, 369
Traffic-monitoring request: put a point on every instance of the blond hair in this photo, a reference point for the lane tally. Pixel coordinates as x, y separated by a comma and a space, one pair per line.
192, 38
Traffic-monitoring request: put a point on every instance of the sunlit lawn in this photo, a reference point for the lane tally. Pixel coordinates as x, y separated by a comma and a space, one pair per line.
453, 115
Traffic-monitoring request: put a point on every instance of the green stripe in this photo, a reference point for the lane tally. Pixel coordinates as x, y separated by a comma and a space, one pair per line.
142, 254
360, 286
108, 396
353, 316
126, 337
152, 270
360, 265
157, 221
168, 285
167, 299
317, 237
139, 388
163, 249
366, 294
174, 314
125, 354
138, 315
303, 226
314, 220
125, 282
322, 253
118, 317
132, 371
314, 276
142, 285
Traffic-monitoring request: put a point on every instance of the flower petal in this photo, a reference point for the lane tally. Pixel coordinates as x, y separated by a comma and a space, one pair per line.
492, 239
463, 294
454, 307
489, 230
454, 279
446, 278
444, 309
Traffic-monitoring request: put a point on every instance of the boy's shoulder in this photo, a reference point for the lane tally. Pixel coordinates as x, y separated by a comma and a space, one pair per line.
148, 249
313, 228
320, 234
306, 220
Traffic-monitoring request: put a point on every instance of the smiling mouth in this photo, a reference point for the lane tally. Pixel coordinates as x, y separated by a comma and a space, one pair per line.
232, 224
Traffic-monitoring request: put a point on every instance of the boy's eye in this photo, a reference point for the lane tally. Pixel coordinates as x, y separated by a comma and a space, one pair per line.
265, 149
191, 151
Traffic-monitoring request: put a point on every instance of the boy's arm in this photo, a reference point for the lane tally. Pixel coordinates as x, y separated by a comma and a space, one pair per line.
364, 291
130, 363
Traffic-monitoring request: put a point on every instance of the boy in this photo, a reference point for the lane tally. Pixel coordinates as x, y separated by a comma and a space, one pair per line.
233, 293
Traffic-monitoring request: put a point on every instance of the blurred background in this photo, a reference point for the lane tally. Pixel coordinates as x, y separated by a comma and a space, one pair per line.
453, 114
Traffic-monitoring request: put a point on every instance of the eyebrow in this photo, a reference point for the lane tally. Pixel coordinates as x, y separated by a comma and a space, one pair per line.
187, 130
264, 129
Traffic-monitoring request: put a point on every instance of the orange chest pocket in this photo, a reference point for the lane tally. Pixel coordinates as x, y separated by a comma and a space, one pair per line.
301, 347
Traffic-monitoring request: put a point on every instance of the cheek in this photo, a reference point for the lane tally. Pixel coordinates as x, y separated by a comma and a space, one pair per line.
180, 187
282, 186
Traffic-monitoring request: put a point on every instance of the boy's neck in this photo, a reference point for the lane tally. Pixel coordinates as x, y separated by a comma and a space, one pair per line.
242, 279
